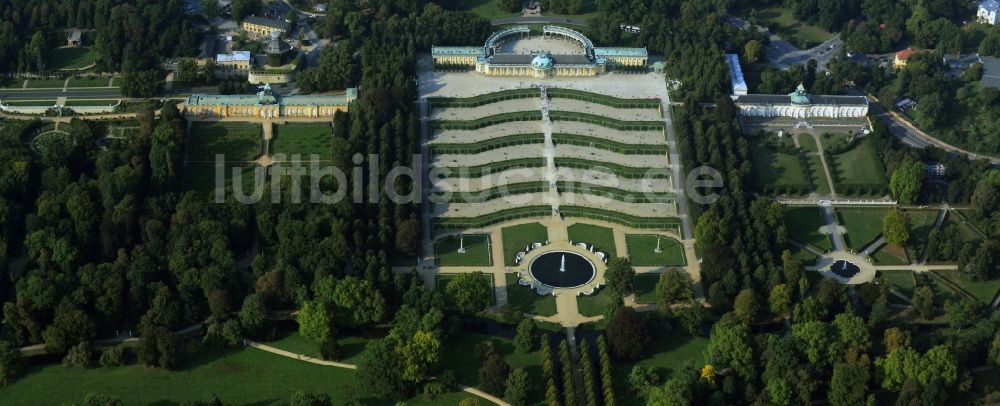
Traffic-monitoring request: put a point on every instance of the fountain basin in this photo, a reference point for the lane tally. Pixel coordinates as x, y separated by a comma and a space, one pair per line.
546, 269
844, 268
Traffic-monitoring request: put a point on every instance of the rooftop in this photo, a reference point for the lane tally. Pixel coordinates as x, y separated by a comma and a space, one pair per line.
255, 100
628, 52
736, 74
991, 72
233, 57
267, 22
525, 59
74, 35
773, 99
435, 50
990, 5
904, 54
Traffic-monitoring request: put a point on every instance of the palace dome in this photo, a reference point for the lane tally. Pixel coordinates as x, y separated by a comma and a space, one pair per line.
543, 61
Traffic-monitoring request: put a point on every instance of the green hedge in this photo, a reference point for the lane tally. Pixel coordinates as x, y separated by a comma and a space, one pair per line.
606, 100
608, 145
487, 121
620, 218
486, 145
616, 124
500, 191
483, 99
621, 195
487, 220
626, 172
480, 170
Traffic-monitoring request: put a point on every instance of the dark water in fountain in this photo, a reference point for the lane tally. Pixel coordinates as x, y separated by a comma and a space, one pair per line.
545, 269
845, 268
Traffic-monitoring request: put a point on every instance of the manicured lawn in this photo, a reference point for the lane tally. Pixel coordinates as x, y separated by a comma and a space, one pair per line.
236, 376
523, 299
460, 357
820, 184
803, 256
593, 305
921, 225
902, 281
303, 139
890, 255
803, 35
485, 9
642, 251
667, 355
46, 83
71, 103
982, 290
237, 141
803, 224
602, 238
477, 250
942, 291
70, 58
89, 82
441, 283
772, 167
200, 177
859, 165
863, 226
515, 238
645, 287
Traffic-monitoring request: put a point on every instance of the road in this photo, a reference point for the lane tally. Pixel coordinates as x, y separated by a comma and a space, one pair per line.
539, 20
909, 134
783, 54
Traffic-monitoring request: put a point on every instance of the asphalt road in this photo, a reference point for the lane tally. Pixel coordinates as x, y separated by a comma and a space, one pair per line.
783, 54
912, 136
539, 20
39, 94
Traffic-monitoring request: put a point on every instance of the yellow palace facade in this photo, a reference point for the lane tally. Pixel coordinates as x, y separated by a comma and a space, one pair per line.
267, 105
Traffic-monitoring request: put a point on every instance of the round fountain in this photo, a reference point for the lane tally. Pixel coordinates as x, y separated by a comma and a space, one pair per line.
844, 268
562, 269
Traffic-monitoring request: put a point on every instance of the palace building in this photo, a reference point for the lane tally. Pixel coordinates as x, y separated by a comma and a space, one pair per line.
799, 104
263, 26
497, 57
267, 104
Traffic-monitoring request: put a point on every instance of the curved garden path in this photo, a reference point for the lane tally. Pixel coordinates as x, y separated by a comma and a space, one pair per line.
305, 358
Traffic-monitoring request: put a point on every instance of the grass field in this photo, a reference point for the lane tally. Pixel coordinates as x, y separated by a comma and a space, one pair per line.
71, 103
485, 9
515, 238
890, 255
803, 224
863, 226
46, 83
858, 165
902, 281
803, 35
461, 358
237, 141
982, 290
353, 348
199, 177
477, 250
70, 58
804, 256
645, 288
642, 251
303, 139
666, 356
773, 167
590, 306
523, 299
820, 184
942, 291
88, 82
237, 376
602, 238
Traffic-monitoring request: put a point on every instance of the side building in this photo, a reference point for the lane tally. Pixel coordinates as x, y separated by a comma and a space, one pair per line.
736, 75
263, 26
799, 104
267, 104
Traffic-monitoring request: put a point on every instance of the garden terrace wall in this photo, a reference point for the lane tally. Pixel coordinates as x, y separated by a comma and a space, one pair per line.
498, 192
483, 99
487, 121
626, 172
620, 125
608, 145
487, 145
606, 100
486, 220
621, 195
620, 218
481, 170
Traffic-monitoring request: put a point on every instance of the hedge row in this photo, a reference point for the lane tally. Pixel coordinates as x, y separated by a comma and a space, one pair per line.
487, 145
606, 100
483, 99
621, 195
620, 218
626, 172
608, 145
486, 220
616, 124
498, 192
487, 121
480, 170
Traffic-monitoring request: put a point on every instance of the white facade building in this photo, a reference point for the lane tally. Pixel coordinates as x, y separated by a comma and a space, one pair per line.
987, 12
736, 75
798, 104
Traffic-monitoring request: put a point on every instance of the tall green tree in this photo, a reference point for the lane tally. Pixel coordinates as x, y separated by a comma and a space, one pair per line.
907, 180
896, 227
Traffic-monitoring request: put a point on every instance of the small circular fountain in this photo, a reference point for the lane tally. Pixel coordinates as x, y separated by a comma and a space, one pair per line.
844, 268
562, 269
